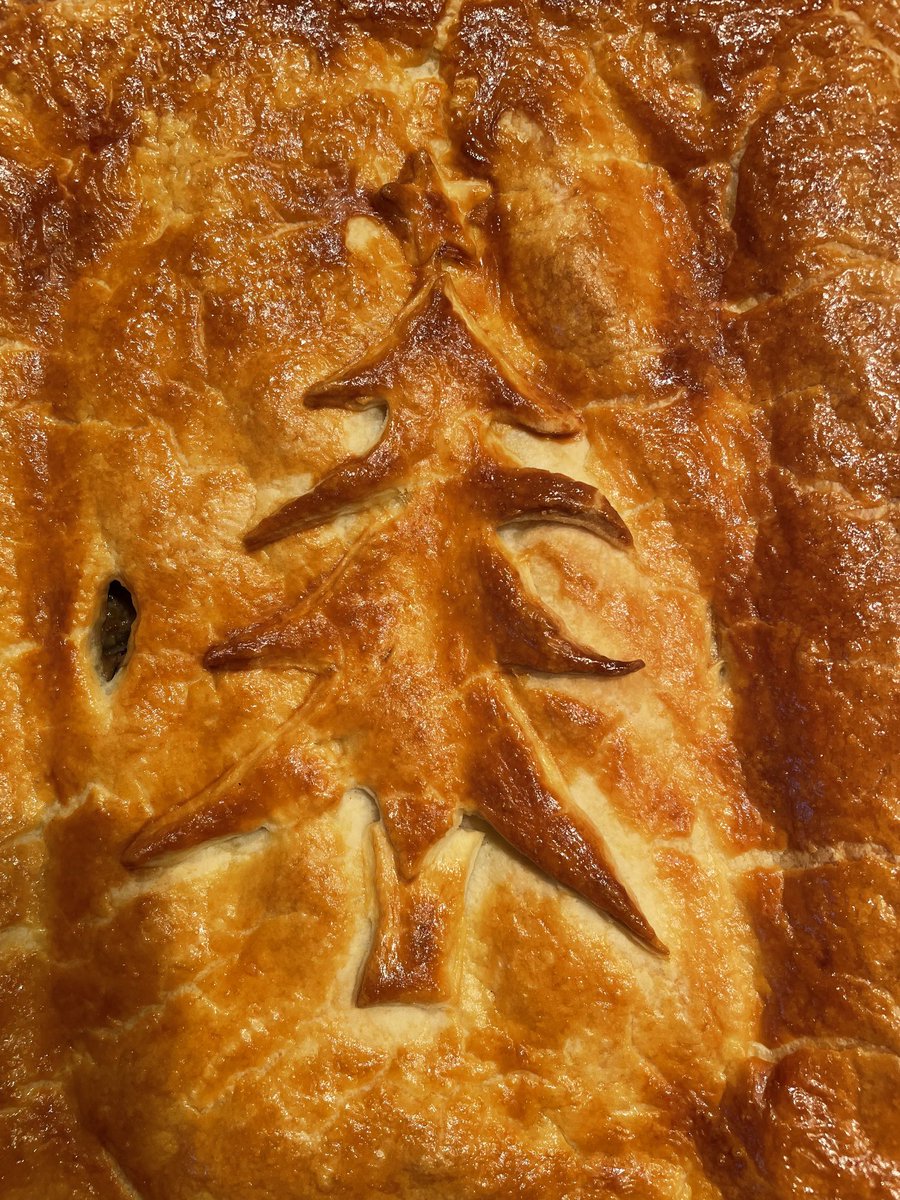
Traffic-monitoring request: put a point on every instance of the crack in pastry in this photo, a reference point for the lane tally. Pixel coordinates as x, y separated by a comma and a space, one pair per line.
417, 635
114, 629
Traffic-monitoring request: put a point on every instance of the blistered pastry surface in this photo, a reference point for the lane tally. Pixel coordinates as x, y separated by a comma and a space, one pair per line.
492, 411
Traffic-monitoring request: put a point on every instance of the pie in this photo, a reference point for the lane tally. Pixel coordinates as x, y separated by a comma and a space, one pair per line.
450, 476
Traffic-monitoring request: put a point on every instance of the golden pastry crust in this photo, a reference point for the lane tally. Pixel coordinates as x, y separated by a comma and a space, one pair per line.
491, 410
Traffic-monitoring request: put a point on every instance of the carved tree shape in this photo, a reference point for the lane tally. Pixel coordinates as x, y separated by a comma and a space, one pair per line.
417, 636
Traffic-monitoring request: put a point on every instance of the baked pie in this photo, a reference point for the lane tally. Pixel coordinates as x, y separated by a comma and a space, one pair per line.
451, 599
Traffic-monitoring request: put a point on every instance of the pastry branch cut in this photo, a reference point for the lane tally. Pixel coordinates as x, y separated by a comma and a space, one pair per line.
512, 793
240, 801
526, 636
523, 495
352, 485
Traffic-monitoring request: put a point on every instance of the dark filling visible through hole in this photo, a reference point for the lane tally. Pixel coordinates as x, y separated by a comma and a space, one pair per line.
116, 620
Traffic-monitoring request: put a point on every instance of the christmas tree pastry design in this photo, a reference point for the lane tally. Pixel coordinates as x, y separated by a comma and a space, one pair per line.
416, 637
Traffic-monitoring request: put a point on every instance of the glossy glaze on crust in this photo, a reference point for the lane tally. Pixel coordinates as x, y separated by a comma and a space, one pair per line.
437, 366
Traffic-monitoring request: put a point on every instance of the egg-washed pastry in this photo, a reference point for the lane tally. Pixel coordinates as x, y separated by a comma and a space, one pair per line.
450, 706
